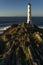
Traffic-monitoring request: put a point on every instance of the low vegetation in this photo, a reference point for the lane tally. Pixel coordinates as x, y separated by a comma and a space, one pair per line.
22, 45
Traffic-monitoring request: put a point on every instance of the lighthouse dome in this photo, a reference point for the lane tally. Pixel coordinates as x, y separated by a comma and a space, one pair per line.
29, 4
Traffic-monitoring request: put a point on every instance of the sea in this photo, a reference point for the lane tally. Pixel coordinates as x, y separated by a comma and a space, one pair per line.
6, 22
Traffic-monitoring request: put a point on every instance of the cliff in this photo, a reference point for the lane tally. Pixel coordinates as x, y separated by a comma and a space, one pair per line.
23, 45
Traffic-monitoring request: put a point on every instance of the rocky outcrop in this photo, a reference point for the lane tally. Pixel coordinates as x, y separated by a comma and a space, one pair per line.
23, 45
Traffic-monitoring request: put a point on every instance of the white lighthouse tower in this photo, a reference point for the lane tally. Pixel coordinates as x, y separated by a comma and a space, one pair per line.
29, 13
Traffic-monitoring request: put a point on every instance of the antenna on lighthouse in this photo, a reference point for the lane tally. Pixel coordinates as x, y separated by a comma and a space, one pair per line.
29, 13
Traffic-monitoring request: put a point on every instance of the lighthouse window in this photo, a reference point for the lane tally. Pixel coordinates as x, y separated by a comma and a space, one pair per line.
29, 16
29, 12
29, 7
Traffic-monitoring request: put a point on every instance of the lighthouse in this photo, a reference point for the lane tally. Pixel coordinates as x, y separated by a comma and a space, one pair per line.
29, 13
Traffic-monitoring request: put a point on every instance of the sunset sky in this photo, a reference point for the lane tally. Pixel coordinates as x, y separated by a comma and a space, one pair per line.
19, 7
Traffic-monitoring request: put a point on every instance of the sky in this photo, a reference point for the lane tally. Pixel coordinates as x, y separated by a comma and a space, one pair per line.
19, 7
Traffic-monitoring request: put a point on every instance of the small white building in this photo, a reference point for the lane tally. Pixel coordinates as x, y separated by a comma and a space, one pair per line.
29, 13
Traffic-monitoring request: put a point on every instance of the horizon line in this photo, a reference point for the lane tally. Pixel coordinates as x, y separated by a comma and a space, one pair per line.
20, 16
